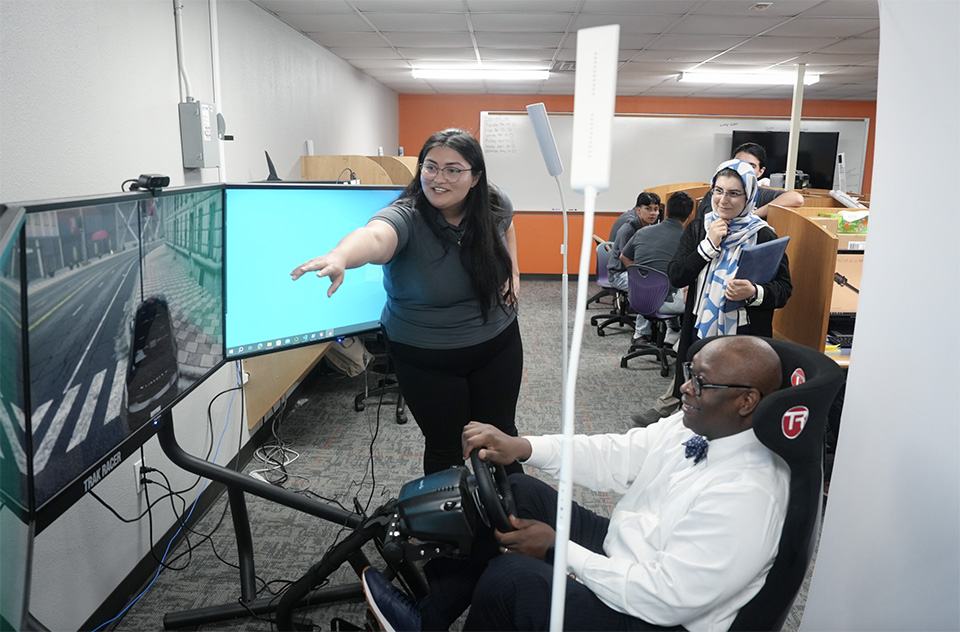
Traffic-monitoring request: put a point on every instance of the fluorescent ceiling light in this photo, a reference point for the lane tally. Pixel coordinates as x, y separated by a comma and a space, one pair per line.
755, 78
474, 74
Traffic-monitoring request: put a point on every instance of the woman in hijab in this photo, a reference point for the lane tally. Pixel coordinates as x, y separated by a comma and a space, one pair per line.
707, 259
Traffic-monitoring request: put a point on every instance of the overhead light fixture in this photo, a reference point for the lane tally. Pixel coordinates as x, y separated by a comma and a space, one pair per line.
752, 78
476, 74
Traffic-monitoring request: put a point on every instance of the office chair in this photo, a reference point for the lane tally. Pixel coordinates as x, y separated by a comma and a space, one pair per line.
648, 288
810, 384
619, 314
382, 363
603, 277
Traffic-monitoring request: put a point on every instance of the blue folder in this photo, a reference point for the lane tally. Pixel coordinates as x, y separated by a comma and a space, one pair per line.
759, 264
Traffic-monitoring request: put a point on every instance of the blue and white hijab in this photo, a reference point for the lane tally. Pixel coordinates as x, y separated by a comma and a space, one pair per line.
712, 318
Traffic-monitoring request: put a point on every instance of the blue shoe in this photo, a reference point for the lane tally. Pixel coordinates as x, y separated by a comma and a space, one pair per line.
395, 612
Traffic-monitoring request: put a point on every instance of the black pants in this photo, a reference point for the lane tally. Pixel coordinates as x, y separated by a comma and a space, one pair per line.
512, 591
447, 388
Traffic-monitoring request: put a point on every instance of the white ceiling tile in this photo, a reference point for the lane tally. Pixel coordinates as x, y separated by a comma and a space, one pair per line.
326, 22
531, 6
825, 27
696, 42
514, 40
846, 8
521, 22
417, 21
629, 24
730, 25
650, 7
428, 39
789, 45
304, 6
659, 38
347, 40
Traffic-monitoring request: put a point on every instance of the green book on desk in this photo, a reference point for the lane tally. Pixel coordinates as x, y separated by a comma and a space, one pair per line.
759, 264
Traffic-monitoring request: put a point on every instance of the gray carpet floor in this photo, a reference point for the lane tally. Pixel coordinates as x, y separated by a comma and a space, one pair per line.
346, 455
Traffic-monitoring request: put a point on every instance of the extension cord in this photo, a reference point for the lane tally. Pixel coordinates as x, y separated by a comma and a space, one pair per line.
258, 476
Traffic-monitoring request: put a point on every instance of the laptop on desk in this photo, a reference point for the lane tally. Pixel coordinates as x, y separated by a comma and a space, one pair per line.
843, 303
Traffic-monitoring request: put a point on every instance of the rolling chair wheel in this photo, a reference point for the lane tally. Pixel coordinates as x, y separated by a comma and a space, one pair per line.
402, 418
664, 371
623, 363
600, 332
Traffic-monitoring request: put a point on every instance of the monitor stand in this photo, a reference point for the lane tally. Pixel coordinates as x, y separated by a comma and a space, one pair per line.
237, 485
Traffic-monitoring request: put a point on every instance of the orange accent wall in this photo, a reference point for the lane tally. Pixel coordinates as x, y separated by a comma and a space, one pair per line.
539, 235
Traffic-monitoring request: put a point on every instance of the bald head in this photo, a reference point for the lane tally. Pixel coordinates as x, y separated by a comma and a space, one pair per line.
735, 373
746, 360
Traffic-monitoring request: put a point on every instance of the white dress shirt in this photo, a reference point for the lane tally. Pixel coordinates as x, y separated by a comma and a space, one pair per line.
688, 544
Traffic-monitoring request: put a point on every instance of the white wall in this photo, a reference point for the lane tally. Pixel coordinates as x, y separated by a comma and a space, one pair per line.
88, 99
889, 555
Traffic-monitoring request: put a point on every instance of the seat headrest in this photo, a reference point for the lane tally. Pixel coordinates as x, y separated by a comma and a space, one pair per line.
791, 421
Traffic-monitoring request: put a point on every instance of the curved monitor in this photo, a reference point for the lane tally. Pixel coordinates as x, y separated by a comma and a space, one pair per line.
271, 229
123, 317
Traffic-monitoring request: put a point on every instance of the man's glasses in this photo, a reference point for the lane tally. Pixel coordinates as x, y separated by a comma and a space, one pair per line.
698, 384
451, 174
733, 195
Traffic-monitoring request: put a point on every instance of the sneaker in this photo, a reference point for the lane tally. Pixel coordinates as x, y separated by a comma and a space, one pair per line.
644, 419
671, 338
395, 612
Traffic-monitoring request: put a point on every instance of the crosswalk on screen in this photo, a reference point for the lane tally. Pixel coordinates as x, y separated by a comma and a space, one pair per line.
124, 317
271, 229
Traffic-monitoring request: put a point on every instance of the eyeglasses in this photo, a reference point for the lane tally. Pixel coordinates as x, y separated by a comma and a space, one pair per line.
451, 174
733, 195
699, 384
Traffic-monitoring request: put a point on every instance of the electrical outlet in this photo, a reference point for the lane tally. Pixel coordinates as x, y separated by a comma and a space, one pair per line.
137, 474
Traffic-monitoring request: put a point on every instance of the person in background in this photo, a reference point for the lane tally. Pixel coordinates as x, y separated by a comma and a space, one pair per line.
756, 156
449, 255
689, 543
645, 213
631, 213
706, 263
654, 248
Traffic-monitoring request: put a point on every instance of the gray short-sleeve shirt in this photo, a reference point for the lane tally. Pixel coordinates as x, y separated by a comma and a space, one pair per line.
430, 301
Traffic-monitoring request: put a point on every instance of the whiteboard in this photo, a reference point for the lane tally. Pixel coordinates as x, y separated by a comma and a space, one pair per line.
648, 150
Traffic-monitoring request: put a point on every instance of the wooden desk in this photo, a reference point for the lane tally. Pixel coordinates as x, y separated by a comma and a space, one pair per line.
273, 374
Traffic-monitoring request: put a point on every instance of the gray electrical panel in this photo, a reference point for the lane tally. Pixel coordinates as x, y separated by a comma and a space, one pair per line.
199, 135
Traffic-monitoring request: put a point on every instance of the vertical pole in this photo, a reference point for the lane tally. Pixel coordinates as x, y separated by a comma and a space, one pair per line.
794, 144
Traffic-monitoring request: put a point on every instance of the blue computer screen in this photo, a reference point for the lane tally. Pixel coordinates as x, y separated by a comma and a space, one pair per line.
270, 229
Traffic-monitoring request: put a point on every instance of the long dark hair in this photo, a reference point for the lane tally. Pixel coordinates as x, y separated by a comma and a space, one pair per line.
482, 250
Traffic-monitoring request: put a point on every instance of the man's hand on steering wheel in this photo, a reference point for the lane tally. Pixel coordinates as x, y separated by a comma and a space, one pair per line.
495, 445
530, 537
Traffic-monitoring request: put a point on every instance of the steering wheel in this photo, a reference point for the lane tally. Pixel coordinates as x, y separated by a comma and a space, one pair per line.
495, 492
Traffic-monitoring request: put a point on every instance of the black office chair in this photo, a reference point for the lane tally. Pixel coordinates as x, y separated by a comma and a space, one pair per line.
648, 288
382, 363
619, 314
810, 384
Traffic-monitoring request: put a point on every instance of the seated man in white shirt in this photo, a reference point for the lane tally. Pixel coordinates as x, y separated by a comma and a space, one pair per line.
689, 543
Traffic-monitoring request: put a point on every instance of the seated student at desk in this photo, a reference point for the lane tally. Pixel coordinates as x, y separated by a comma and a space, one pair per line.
631, 213
689, 543
756, 156
653, 247
645, 213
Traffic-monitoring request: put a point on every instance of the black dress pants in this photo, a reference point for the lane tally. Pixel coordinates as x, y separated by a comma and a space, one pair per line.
513, 591
445, 389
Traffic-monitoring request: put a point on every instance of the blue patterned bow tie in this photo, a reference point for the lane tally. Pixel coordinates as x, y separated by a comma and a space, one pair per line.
696, 448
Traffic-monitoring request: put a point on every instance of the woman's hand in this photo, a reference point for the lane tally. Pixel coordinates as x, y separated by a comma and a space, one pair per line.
531, 537
328, 265
511, 298
718, 230
496, 445
739, 290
